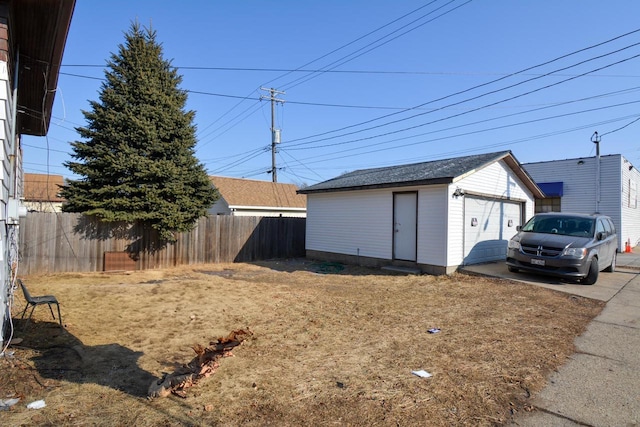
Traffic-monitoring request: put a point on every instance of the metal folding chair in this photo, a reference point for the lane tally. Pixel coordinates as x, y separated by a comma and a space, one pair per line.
36, 301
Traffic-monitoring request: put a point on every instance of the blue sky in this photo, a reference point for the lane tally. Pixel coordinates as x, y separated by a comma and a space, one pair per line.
401, 82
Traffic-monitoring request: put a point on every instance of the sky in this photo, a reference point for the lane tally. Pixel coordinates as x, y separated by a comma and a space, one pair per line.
370, 83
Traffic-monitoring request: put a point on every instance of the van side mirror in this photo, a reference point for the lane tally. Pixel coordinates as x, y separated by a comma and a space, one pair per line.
600, 235
518, 227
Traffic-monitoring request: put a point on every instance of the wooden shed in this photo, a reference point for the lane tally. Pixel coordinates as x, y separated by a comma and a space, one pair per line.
434, 216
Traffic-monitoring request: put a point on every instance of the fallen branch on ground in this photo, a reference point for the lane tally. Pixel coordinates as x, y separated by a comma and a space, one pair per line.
203, 365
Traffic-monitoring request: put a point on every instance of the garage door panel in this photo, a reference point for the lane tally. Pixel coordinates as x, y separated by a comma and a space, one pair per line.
489, 224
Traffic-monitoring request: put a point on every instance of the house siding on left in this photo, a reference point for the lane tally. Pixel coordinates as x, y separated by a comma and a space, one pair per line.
9, 232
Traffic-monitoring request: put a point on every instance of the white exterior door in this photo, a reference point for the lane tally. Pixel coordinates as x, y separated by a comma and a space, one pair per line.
488, 226
405, 214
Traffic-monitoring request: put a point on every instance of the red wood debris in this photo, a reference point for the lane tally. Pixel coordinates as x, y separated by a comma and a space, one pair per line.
203, 365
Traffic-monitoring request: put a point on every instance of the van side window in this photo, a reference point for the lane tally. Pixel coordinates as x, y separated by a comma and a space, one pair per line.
600, 227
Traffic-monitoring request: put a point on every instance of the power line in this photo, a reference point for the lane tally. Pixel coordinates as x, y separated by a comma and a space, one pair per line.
313, 104
350, 43
238, 118
606, 94
35, 147
457, 115
333, 71
581, 75
469, 89
477, 97
347, 58
470, 132
486, 121
301, 164
492, 92
480, 148
240, 161
622, 127
266, 83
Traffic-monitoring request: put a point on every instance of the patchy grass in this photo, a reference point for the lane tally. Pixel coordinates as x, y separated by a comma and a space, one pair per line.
329, 346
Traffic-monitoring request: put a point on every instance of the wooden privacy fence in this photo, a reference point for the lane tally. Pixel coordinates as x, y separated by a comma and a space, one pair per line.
69, 242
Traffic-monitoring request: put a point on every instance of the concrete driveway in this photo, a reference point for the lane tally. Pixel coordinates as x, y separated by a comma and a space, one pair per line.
598, 386
608, 284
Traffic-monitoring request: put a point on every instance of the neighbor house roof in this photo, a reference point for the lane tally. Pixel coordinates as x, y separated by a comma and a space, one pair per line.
444, 171
42, 188
38, 33
247, 192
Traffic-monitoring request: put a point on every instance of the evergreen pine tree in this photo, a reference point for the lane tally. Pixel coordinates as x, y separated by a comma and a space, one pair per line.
137, 161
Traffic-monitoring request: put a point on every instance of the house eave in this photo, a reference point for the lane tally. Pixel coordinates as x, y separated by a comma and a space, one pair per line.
38, 32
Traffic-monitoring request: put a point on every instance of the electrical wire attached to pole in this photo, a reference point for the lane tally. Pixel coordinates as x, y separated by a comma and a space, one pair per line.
275, 133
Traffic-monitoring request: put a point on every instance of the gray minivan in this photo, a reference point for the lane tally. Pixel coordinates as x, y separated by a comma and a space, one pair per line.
573, 246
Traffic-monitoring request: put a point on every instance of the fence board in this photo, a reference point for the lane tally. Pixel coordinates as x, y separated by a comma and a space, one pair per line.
67, 242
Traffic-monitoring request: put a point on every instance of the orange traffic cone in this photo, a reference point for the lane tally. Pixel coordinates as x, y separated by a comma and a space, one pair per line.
627, 246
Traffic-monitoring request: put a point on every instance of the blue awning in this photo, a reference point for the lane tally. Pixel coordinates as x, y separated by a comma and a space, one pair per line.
551, 189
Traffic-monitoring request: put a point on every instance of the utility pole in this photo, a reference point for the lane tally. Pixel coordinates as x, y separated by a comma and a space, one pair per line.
595, 138
275, 133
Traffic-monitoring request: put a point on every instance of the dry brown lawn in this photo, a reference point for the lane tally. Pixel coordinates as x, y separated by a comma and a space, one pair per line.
330, 346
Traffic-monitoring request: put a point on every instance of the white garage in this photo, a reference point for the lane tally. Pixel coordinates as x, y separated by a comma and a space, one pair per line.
435, 216
488, 224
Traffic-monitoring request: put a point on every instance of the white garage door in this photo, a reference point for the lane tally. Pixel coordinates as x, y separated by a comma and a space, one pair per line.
488, 225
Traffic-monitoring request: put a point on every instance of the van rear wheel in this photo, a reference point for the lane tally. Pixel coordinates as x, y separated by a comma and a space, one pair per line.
612, 267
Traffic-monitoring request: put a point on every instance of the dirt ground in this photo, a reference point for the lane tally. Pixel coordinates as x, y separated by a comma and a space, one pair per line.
331, 345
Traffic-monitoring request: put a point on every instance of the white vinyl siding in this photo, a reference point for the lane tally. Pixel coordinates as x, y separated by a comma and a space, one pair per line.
361, 222
432, 225
496, 179
267, 212
488, 225
579, 177
7, 175
630, 216
351, 222
455, 229
220, 207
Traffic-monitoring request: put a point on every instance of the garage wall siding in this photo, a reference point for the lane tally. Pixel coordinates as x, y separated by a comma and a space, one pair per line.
344, 222
495, 179
455, 249
498, 180
360, 223
432, 225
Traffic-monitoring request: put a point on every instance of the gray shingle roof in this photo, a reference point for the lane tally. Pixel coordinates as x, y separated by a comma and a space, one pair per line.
425, 173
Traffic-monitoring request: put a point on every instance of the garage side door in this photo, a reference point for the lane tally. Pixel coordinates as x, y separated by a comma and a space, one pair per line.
488, 225
405, 207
